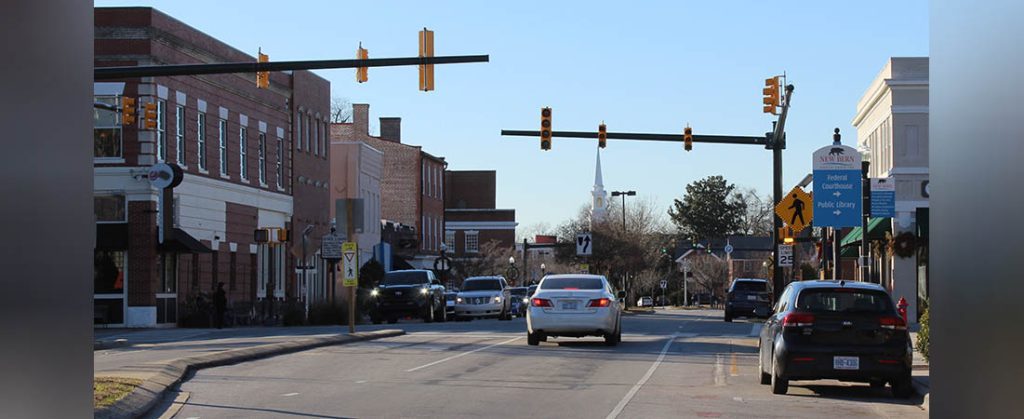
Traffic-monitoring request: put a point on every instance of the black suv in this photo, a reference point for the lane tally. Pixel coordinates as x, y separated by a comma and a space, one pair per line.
748, 298
413, 292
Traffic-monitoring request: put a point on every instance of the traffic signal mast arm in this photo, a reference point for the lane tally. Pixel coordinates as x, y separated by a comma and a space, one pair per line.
713, 139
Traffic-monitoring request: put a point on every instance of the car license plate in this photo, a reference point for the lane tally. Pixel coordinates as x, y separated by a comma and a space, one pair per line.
846, 363
450, 303
752, 297
569, 305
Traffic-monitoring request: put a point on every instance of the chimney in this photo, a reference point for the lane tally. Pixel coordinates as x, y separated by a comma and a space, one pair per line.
361, 118
391, 129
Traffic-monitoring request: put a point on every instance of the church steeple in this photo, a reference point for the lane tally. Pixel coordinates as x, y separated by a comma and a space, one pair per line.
599, 203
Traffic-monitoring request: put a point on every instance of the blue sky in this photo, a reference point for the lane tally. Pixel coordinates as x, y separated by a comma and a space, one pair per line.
639, 67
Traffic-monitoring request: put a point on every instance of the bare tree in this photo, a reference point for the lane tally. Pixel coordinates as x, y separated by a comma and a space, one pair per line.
757, 220
341, 110
492, 260
710, 273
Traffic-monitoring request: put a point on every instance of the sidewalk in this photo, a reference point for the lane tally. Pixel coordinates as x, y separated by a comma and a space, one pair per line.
919, 373
161, 358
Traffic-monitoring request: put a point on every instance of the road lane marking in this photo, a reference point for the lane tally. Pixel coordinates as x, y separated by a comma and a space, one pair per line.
361, 382
643, 380
755, 330
733, 370
738, 399
462, 354
719, 371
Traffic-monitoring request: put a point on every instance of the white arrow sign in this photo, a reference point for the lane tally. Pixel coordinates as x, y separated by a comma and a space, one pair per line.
583, 244
837, 194
837, 212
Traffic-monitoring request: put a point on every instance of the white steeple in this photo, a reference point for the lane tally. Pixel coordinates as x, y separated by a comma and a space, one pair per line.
599, 203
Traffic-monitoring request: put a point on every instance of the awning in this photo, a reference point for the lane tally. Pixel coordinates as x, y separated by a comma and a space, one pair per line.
112, 236
178, 241
877, 227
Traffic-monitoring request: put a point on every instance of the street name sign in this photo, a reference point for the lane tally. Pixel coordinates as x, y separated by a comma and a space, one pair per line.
330, 247
837, 187
349, 264
795, 209
883, 197
785, 255
583, 244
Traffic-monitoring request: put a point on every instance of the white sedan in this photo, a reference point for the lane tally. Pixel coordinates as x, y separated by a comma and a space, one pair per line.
574, 306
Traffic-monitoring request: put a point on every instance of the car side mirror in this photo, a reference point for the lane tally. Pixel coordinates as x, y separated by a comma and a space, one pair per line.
622, 294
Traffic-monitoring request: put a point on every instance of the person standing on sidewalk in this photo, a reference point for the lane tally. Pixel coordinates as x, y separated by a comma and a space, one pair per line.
220, 303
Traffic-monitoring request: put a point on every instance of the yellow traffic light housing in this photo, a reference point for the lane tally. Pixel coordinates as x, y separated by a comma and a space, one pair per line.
263, 77
426, 50
127, 110
688, 139
602, 135
771, 95
149, 116
362, 73
786, 235
545, 129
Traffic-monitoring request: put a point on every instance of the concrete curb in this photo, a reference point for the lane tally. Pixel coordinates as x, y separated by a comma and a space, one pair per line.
107, 344
166, 376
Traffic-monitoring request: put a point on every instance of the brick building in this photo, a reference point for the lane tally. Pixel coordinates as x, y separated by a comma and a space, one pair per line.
252, 159
412, 189
471, 216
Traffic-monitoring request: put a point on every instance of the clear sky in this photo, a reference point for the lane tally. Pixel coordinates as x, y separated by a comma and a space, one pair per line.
637, 66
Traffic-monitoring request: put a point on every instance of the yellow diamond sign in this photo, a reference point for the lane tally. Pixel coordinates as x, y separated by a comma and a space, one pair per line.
796, 209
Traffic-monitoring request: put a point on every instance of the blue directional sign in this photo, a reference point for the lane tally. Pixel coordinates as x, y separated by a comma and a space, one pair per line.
883, 197
837, 187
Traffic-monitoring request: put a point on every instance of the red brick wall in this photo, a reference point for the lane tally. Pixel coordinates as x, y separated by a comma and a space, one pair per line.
142, 258
470, 189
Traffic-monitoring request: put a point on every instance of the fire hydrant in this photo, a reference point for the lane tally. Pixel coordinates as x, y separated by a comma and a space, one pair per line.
901, 307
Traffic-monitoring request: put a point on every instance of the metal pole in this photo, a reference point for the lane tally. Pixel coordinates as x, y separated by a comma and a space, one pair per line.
350, 231
636, 136
837, 261
526, 260
865, 253
778, 143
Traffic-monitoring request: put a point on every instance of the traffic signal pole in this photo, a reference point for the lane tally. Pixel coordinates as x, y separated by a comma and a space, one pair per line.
778, 143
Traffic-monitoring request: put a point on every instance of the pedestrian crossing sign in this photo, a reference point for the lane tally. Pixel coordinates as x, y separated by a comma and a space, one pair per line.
796, 209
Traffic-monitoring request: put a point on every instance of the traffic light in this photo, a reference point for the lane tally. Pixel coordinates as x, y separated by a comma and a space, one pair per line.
362, 73
786, 235
602, 135
426, 50
263, 77
688, 139
545, 129
149, 115
127, 110
771, 94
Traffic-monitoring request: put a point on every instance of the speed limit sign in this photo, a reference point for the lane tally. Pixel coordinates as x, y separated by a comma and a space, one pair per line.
785, 255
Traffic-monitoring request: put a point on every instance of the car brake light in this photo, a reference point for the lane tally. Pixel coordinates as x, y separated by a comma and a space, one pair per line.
600, 302
798, 320
803, 359
888, 361
570, 288
540, 302
892, 323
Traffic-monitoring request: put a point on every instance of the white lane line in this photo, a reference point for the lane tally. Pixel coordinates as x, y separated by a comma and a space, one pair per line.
643, 380
290, 394
738, 399
462, 354
719, 371
755, 330
361, 382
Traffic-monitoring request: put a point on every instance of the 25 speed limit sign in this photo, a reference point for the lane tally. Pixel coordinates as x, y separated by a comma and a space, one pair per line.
785, 255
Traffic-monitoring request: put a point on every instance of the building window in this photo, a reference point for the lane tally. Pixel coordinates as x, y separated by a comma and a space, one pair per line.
309, 121
108, 271
161, 130
423, 232
243, 132
298, 131
179, 133
449, 240
327, 138
110, 208
222, 138
280, 162
316, 138
263, 159
106, 129
472, 241
168, 273
232, 271
201, 140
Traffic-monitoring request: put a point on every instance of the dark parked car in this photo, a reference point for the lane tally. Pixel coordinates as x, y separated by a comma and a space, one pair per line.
413, 292
520, 299
847, 331
748, 298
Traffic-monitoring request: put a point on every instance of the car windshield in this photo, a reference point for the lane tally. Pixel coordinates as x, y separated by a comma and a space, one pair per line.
750, 286
482, 285
843, 300
521, 292
572, 283
405, 278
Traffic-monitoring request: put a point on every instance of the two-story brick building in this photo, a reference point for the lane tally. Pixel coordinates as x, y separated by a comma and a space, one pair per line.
472, 217
252, 159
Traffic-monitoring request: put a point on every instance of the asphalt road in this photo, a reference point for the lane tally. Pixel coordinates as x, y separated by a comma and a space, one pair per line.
670, 364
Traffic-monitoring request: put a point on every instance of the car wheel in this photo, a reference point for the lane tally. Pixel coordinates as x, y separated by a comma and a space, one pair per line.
532, 339
428, 316
779, 385
765, 377
440, 315
618, 333
877, 383
902, 387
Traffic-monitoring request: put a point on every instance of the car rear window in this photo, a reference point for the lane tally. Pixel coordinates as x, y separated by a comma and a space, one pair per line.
750, 286
405, 278
482, 285
519, 291
571, 283
843, 300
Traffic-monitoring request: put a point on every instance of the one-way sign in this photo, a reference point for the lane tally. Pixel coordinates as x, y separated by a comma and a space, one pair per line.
583, 242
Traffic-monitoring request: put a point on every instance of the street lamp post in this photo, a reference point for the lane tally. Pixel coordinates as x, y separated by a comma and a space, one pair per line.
623, 194
865, 253
512, 272
543, 270
686, 278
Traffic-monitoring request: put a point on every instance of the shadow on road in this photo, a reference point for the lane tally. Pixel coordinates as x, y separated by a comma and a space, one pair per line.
857, 393
274, 411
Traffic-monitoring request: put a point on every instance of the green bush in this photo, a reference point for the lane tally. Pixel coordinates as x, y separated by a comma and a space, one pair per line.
923, 340
293, 313
328, 314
